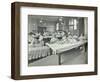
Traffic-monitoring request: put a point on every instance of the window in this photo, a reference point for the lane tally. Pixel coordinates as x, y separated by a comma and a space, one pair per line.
73, 25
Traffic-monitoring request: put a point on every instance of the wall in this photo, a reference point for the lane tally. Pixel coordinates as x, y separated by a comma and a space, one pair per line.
51, 26
86, 25
5, 41
32, 24
81, 26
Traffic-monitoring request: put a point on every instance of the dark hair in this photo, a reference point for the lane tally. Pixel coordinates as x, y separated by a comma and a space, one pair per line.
30, 33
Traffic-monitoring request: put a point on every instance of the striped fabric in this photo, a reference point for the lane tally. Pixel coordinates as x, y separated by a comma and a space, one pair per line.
38, 52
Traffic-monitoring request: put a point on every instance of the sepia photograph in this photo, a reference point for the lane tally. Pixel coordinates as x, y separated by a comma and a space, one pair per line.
57, 40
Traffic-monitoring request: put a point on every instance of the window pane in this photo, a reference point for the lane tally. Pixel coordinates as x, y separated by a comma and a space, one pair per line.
75, 27
75, 24
71, 22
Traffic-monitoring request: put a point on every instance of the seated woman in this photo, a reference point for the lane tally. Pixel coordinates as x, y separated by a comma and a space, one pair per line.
53, 39
64, 38
46, 33
82, 37
59, 35
62, 33
41, 42
33, 42
76, 37
33, 39
30, 37
71, 39
70, 36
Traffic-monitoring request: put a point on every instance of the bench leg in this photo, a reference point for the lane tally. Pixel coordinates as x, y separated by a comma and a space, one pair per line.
59, 59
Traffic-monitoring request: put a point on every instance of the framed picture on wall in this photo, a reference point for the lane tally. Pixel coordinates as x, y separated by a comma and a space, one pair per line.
51, 40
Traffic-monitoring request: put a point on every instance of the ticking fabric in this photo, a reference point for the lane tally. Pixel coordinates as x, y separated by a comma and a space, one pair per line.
38, 52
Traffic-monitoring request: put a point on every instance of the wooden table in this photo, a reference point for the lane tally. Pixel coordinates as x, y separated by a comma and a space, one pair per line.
58, 48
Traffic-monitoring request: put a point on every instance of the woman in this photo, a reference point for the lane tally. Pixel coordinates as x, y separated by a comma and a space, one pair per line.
31, 39
53, 39
41, 42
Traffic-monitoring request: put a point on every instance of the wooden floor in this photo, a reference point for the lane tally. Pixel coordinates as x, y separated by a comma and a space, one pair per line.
75, 56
